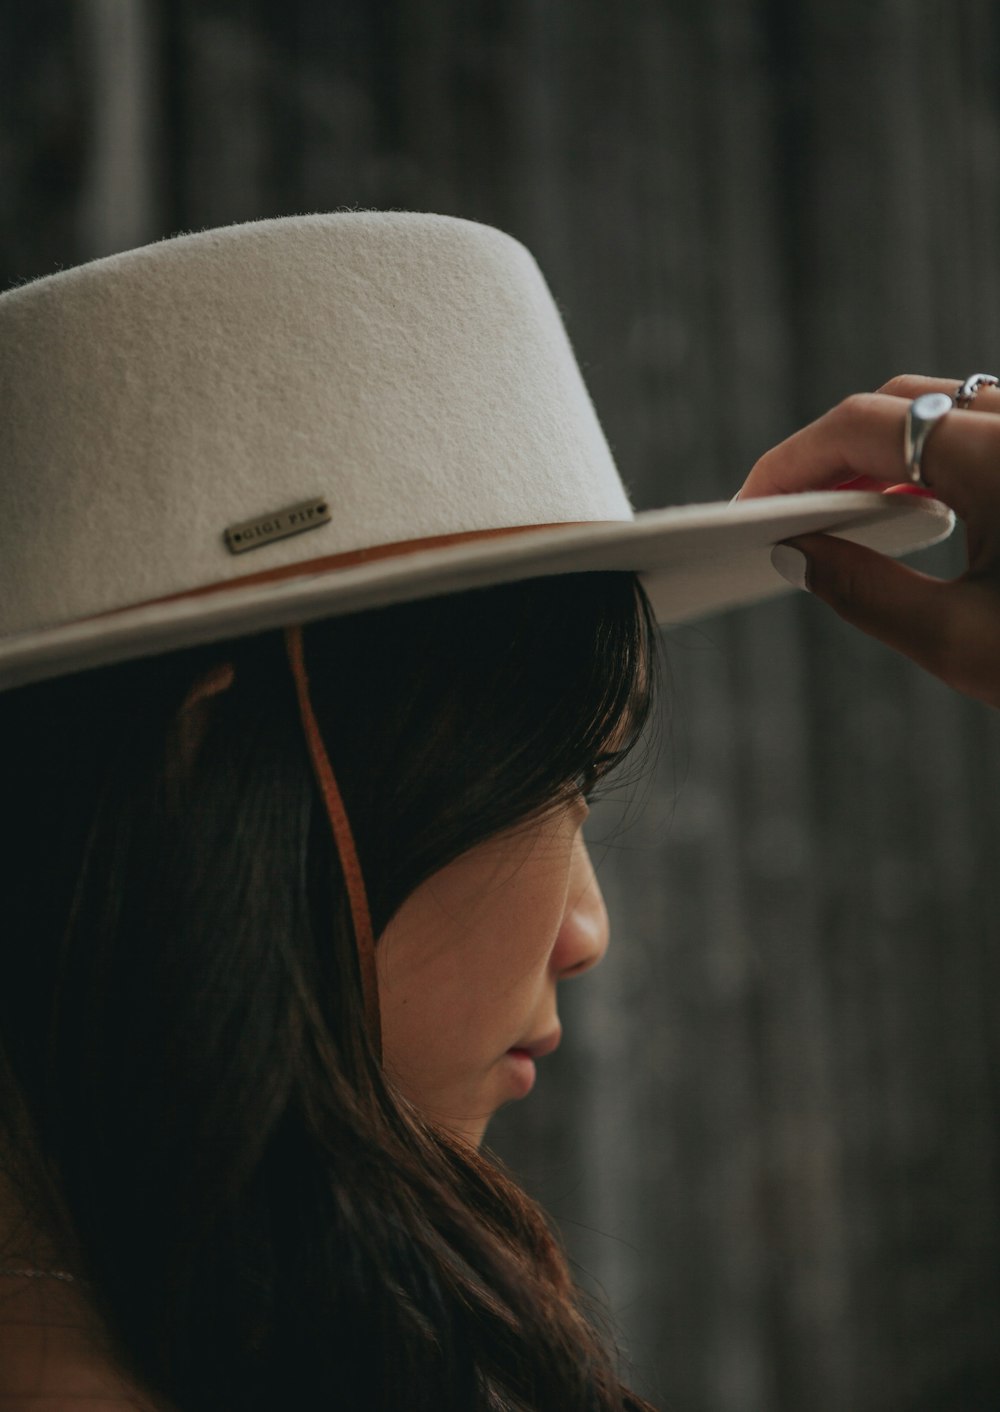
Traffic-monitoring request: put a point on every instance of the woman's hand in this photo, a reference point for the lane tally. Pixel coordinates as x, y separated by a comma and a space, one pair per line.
950, 627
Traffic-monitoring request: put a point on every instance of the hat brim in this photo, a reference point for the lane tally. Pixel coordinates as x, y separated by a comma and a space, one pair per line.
693, 560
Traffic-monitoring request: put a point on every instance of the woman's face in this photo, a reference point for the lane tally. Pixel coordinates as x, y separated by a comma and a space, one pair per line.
468, 968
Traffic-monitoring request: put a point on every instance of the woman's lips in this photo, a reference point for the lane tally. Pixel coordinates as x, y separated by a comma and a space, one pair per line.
521, 1060
521, 1071
538, 1048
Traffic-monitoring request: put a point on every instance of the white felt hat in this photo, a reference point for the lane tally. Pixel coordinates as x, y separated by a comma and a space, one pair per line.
288, 419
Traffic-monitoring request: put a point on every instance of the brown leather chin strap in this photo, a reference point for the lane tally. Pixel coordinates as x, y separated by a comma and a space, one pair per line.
221, 679
343, 837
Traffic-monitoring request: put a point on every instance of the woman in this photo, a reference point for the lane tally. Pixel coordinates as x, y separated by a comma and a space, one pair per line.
288, 906
331, 1208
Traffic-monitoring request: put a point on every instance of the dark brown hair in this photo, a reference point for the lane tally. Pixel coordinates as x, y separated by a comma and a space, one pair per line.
189, 1103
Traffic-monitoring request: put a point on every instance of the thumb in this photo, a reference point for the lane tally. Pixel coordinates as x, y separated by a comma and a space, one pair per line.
907, 610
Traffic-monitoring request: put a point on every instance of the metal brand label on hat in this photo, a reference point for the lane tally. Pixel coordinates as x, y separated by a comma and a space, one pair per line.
292, 519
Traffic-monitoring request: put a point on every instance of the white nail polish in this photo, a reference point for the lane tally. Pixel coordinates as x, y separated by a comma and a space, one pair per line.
790, 564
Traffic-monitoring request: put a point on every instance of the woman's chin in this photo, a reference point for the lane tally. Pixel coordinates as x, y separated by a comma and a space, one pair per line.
468, 1117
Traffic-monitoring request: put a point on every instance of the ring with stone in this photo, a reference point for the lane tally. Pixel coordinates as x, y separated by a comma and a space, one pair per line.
968, 389
922, 416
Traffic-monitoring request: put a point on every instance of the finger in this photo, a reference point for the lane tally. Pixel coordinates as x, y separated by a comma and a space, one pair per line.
949, 628
907, 386
910, 385
863, 436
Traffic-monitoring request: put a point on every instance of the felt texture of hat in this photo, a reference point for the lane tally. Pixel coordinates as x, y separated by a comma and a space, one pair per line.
272, 422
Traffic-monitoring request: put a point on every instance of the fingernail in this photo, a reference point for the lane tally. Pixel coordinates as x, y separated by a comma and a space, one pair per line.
791, 564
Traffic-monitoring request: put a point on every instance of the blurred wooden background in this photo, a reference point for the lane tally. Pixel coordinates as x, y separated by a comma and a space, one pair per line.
771, 1135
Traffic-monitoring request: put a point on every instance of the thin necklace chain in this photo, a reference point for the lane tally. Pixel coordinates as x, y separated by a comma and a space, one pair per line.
52, 1274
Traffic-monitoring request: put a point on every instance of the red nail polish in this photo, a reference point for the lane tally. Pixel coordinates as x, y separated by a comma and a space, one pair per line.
911, 490
869, 483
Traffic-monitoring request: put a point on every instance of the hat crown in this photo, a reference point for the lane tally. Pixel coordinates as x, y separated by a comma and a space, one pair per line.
407, 374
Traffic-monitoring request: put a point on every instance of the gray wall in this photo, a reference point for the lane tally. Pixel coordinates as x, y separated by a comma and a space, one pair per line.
770, 1138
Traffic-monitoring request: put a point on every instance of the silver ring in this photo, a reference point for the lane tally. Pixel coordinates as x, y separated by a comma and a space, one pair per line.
968, 389
922, 416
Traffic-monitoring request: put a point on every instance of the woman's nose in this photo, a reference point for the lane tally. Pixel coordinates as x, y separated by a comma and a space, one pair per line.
585, 931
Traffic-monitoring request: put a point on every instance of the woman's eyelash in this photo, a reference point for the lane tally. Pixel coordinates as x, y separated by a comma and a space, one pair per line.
588, 781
